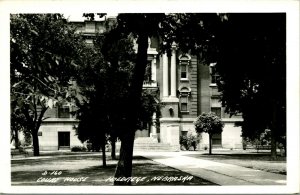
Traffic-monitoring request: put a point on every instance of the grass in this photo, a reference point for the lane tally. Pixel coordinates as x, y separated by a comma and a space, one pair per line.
253, 160
87, 171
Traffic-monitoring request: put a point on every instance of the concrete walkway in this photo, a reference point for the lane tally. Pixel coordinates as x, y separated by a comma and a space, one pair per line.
219, 173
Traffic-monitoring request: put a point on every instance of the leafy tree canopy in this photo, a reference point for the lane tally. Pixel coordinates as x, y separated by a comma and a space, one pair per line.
208, 123
44, 50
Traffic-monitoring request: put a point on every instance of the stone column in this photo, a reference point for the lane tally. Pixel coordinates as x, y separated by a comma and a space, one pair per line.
173, 71
165, 75
153, 127
153, 69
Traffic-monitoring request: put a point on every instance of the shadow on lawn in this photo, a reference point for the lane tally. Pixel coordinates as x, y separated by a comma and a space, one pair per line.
98, 175
158, 174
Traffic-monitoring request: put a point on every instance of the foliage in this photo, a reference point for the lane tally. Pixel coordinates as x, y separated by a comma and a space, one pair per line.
208, 123
189, 140
150, 105
142, 26
264, 139
78, 149
43, 50
192, 32
254, 45
103, 85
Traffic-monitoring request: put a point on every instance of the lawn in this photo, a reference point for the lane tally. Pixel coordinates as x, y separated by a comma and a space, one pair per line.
249, 159
87, 170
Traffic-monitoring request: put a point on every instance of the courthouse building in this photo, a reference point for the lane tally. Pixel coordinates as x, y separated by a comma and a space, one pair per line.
187, 88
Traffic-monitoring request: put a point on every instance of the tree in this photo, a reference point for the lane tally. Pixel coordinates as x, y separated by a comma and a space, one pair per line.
249, 51
209, 123
103, 83
17, 125
43, 51
142, 26
251, 62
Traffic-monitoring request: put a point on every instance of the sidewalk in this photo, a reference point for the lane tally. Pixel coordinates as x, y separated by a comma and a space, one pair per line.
219, 173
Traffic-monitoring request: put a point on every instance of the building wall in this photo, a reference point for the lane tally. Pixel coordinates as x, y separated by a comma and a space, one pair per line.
203, 96
203, 88
48, 139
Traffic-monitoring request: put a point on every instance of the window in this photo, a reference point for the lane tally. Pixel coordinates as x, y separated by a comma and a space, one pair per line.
184, 61
184, 103
63, 112
217, 111
184, 93
215, 106
217, 139
183, 70
213, 73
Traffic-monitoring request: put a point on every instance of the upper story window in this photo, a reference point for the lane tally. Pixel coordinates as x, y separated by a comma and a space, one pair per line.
216, 107
184, 62
63, 112
184, 70
214, 75
150, 73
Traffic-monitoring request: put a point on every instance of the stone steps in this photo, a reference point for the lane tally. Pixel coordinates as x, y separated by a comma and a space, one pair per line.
152, 147
148, 146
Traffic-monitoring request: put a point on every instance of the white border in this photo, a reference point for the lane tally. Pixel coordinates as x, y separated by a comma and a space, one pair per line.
291, 7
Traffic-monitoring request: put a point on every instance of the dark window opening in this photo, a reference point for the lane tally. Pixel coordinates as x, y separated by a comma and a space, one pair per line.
217, 111
63, 112
183, 69
217, 139
184, 103
63, 139
214, 74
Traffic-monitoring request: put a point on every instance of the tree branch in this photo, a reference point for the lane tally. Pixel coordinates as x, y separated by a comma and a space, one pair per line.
45, 84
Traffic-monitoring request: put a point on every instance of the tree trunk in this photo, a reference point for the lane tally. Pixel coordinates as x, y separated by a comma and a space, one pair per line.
34, 132
113, 149
16, 138
35, 143
124, 167
103, 154
273, 145
210, 144
274, 128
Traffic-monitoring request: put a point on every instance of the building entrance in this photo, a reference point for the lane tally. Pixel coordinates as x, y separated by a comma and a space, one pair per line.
63, 140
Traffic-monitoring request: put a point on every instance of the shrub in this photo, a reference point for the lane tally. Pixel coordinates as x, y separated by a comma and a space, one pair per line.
78, 149
188, 141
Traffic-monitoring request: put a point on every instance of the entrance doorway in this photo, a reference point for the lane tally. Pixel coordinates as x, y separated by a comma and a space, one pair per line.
217, 140
63, 140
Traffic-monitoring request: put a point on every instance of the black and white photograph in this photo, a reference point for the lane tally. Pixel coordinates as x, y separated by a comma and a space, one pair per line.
132, 98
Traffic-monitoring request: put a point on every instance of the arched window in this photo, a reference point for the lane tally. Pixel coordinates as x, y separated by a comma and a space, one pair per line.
184, 61
184, 93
